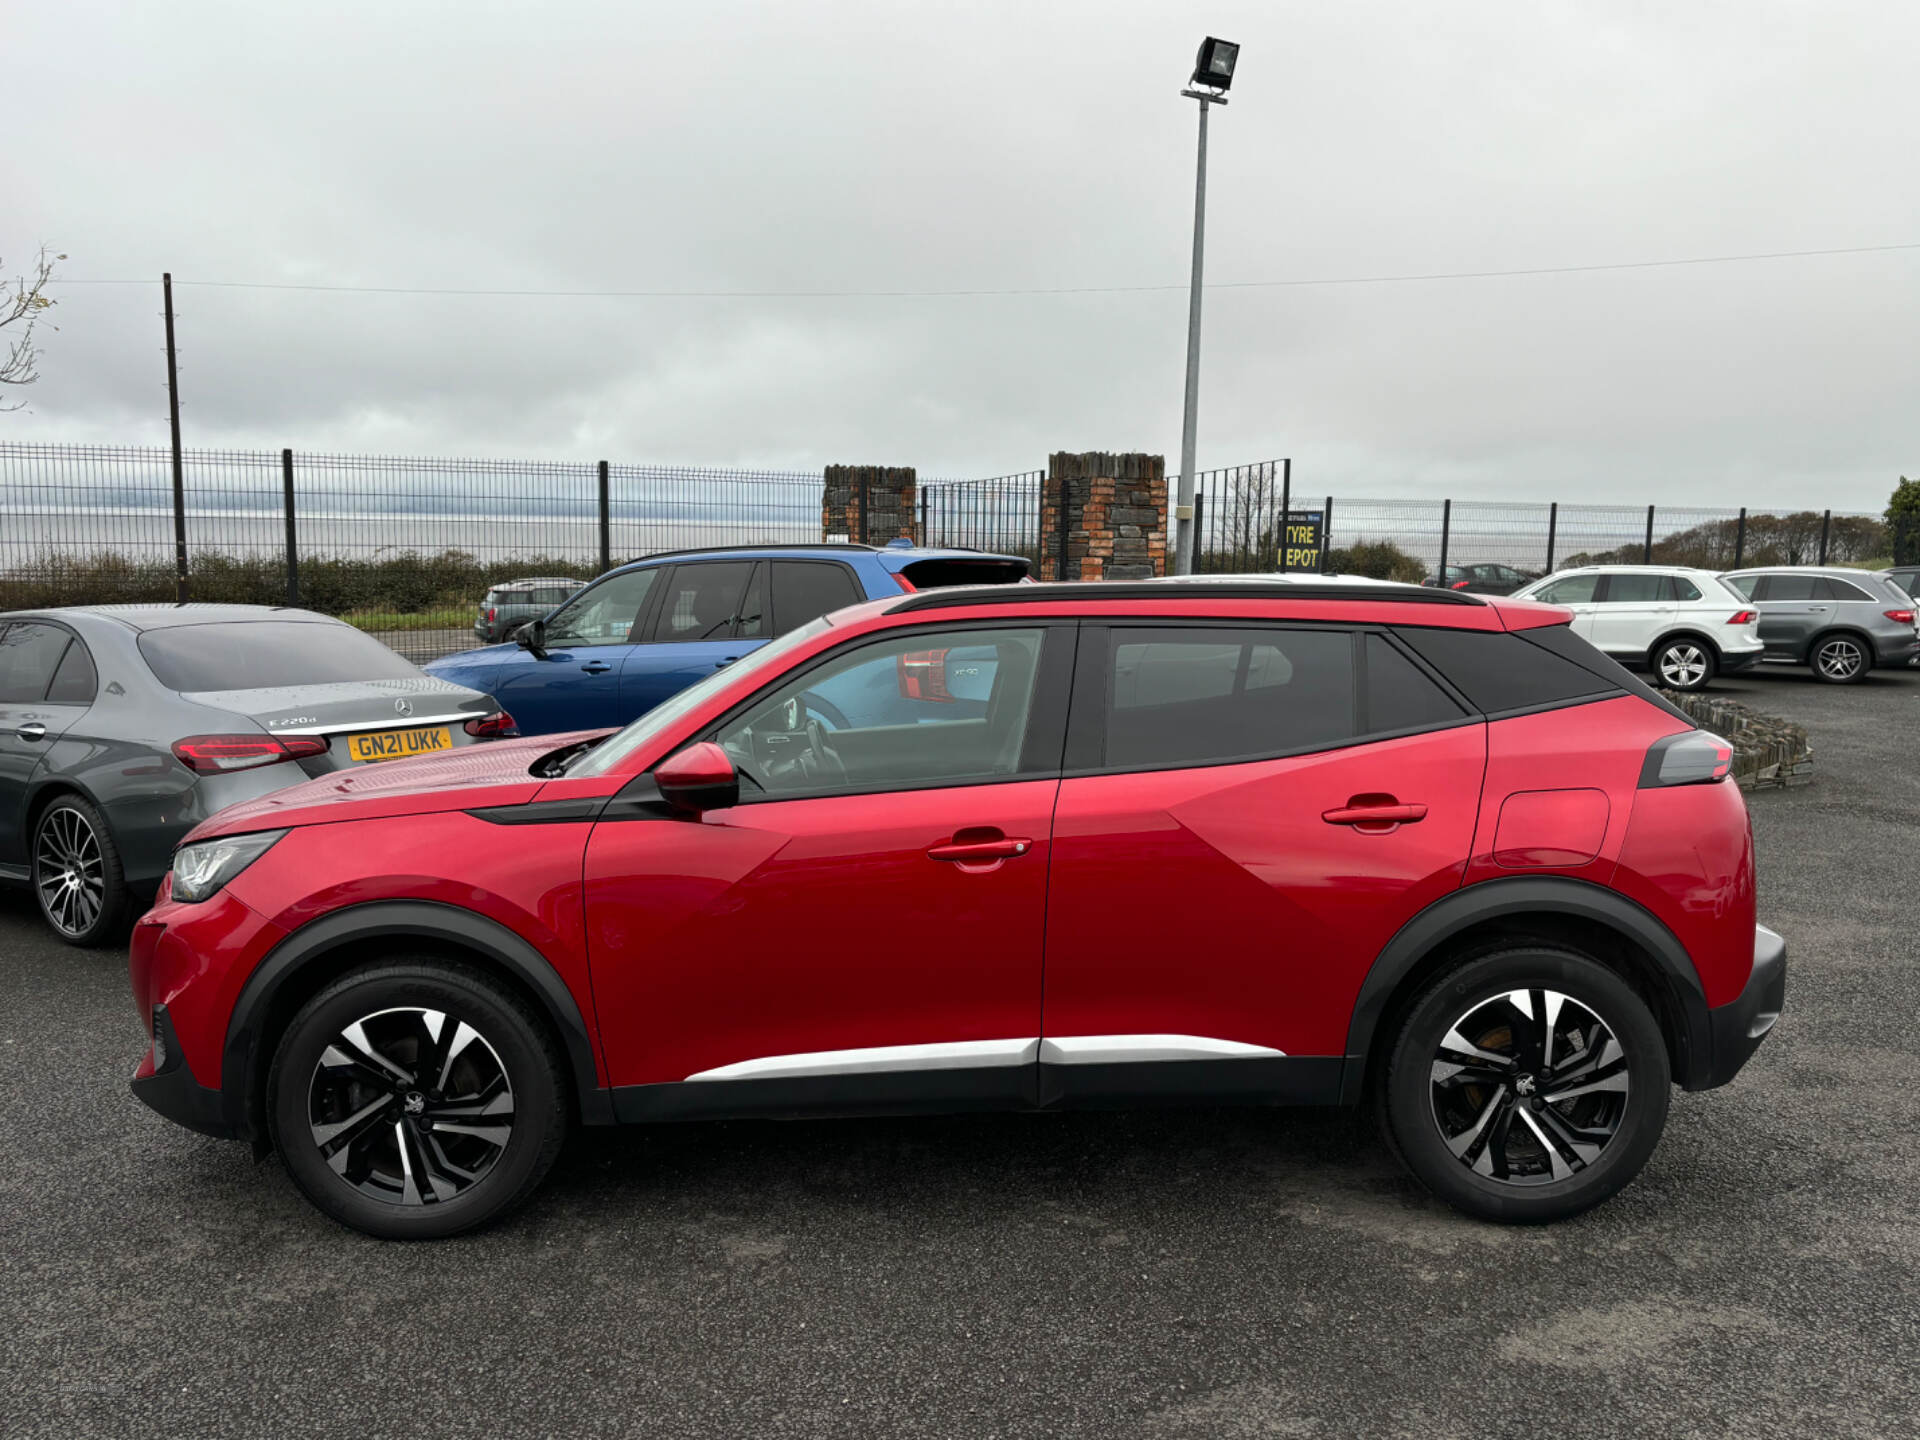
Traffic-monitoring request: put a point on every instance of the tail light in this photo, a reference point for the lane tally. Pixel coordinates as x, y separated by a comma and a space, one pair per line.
1693, 757
493, 614
217, 754
1743, 617
497, 726
1900, 617
1459, 585
922, 675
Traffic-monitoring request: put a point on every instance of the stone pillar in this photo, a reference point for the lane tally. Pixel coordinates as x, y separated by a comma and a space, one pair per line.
1111, 511
870, 504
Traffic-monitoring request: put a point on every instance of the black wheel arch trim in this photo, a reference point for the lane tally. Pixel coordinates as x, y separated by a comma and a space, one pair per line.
242, 1063
1518, 896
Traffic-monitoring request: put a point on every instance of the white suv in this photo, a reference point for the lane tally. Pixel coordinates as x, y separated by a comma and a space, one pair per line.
1685, 625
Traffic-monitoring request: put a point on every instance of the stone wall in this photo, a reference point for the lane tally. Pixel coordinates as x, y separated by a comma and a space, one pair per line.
871, 504
1766, 750
1111, 511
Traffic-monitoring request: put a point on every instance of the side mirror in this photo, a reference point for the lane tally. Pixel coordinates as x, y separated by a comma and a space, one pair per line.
698, 778
532, 637
922, 675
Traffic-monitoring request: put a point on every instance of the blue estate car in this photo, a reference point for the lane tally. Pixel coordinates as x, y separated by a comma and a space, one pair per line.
651, 628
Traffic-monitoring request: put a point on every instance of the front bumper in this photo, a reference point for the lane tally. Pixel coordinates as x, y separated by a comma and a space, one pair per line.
1744, 1022
172, 1091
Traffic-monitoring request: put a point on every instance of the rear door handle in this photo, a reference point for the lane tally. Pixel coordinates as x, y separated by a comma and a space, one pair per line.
978, 851
1375, 819
32, 730
596, 667
722, 664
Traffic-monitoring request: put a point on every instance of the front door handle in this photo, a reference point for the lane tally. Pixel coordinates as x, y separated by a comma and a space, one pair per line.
596, 667
32, 730
1375, 815
976, 852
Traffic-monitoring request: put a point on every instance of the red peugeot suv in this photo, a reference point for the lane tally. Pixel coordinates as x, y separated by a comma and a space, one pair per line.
1023, 847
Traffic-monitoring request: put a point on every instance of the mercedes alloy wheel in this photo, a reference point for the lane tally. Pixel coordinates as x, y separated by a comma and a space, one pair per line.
1840, 660
76, 873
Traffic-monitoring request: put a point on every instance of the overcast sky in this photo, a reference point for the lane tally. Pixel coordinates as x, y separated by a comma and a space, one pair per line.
705, 145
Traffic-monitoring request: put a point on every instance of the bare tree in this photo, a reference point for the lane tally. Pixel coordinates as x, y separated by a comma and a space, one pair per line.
26, 307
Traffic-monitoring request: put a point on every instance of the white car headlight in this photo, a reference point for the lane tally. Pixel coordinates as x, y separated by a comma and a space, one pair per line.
200, 870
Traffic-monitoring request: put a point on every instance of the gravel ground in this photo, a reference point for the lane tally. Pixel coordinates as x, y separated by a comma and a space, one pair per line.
1210, 1273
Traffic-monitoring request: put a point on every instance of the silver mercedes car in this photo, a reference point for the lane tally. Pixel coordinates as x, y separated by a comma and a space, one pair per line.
124, 726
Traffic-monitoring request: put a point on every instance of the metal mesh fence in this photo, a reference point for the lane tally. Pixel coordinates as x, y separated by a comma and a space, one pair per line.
1001, 513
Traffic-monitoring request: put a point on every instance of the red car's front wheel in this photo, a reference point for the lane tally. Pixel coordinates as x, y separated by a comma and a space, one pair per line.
416, 1099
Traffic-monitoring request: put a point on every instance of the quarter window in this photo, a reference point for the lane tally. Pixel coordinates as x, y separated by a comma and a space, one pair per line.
1195, 697
916, 710
1399, 695
805, 590
1684, 589
603, 614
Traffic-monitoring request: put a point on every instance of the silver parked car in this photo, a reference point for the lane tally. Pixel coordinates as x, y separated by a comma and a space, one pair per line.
1841, 622
124, 726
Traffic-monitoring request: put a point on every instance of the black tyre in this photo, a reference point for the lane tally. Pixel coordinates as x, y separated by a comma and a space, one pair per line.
1469, 1096
1840, 659
77, 877
1684, 662
416, 1099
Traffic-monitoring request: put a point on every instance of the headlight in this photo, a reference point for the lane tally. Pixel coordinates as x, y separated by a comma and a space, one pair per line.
200, 870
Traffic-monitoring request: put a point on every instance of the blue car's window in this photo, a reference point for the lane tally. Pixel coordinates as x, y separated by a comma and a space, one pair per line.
925, 708
702, 601
603, 614
804, 590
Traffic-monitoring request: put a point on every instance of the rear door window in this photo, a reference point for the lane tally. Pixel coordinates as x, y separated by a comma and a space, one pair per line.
254, 655
702, 602
1635, 589
29, 654
804, 590
1205, 696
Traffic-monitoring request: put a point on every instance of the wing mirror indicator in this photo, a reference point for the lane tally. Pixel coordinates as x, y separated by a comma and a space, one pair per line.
923, 676
698, 778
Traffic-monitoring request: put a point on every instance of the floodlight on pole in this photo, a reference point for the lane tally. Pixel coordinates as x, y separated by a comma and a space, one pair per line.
1212, 76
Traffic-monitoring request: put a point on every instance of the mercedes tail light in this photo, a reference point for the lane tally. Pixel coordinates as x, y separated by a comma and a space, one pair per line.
1900, 617
218, 754
497, 726
1743, 617
1693, 757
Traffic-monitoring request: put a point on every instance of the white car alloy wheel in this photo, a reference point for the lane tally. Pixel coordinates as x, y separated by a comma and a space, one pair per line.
1684, 665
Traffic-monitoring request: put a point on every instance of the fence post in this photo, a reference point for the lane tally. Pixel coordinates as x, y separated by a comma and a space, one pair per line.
1553, 525
861, 489
606, 521
286, 504
1446, 526
1826, 528
1740, 539
1286, 508
1646, 554
922, 537
1199, 535
179, 478
1326, 533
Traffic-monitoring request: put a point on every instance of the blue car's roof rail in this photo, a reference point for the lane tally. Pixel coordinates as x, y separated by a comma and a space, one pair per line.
763, 545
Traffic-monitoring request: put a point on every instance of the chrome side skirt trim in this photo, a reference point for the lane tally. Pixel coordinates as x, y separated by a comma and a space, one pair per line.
988, 1054
1120, 1049
956, 1055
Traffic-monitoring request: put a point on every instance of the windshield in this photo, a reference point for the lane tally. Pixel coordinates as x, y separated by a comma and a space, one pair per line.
609, 752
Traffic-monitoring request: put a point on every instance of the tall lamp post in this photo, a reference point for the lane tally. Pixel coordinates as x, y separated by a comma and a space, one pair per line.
1212, 76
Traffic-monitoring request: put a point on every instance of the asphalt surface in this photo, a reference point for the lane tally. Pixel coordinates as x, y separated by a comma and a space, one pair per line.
1212, 1273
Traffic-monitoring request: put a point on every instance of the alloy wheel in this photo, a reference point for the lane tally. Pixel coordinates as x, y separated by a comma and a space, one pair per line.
1529, 1087
1683, 666
1840, 659
410, 1106
69, 871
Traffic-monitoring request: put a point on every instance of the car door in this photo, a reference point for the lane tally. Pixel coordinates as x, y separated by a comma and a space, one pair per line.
1577, 593
1632, 610
1250, 813
708, 614
1790, 612
576, 684
31, 655
865, 926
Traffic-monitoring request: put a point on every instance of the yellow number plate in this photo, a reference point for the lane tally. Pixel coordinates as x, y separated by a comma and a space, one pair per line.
399, 744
